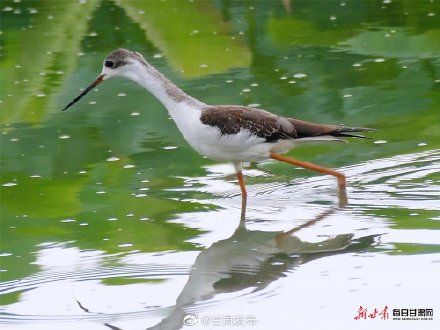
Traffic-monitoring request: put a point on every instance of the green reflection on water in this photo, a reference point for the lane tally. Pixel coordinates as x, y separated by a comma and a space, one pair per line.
364, 66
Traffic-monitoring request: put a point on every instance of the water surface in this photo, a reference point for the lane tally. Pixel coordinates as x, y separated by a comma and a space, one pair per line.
109, 218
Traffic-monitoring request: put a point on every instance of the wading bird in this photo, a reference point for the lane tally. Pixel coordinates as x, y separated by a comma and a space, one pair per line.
231, 133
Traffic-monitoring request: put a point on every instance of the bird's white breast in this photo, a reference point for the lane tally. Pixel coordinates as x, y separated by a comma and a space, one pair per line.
208, 141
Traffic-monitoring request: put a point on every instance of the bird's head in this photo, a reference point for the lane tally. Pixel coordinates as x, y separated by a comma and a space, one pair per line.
119, 63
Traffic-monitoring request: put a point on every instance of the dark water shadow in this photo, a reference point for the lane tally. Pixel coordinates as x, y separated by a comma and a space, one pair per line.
253, 259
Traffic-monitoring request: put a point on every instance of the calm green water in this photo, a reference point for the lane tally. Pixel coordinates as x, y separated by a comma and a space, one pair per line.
109, 219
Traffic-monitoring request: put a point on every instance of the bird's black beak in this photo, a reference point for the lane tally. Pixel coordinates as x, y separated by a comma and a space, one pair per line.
97, 81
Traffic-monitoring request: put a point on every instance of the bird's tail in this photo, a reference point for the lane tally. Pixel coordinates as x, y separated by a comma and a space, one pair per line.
344, 131
306, 129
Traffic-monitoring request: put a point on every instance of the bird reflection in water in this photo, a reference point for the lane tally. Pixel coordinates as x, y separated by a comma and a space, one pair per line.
254, 259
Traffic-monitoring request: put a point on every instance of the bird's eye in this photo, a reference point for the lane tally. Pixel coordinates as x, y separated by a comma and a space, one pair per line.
109, 64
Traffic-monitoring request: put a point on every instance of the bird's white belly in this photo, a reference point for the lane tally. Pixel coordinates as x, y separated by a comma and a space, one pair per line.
234, 147
239, 147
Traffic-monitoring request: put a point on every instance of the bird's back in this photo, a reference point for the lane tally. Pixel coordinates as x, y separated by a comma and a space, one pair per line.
231, 119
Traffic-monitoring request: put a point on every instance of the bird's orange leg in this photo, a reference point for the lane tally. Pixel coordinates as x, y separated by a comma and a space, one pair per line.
342, 181
238, 170
242, 185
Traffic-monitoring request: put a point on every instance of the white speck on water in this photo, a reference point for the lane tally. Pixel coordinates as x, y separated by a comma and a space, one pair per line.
80, 54
277, 263
144, 219
431, 14
254, 85
122, 94
134, 114
5, 254
82, 172
82, 224
144, 181
50, 17
14, 139
68, 220
112, 159
157, 56
18, 66
283, 78
333, 18
299, 75
101, 192
229, 81
35, 176
347, 95
357, 64
112, 219
129, 214
254, 105
246, 90
32, 10
92, 102
141, 12
40, 95
379, 60
93, 34
64, 137
124, 245
203, 65
413, 214
6, 9
386, 1
292, 82
129, 166
169, 148
380, 142
342, 4
140, 195
144, 189
422, 144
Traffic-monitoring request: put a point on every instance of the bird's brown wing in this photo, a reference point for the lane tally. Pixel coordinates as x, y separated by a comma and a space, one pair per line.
230, 119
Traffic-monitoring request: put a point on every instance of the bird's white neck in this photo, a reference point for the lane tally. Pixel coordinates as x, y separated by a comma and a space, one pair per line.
163, 89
